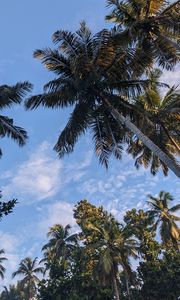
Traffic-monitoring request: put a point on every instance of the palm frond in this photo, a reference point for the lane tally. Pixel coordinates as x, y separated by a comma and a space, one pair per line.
84, 34
166, 52
10, 95
67, 42
174, 208
63, 97
54, 61
7, 128
76, 126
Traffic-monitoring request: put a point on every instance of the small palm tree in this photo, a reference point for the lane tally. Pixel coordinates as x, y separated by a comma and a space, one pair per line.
2, 260
164, 113
28, 269
151, 25
60, 245
14, 292
8, 294
99, 83
10, 95
114, 249
163, 216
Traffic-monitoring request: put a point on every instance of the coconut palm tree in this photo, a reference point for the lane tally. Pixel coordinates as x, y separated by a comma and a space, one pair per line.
2, 260
14, 292
151, 25
163, 110
96, 79
163, 216
114, 248
29, 269
10, 95
61, 243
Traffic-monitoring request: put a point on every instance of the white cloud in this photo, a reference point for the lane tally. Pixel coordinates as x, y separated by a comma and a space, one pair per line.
6, 175
8, 241
38, 176
55, 213
122, 188
42, 175
108, 186
171, 77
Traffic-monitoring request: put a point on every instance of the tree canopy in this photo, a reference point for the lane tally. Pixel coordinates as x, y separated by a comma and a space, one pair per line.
95, 260
101, 76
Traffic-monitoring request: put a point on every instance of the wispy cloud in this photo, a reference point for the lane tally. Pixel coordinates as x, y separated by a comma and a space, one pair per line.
42, 175
124, 187
171, 77
56, 213
37, 177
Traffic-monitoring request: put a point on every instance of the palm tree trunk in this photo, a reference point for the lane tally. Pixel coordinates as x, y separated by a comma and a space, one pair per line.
115, 285
171, 164
116, 292
126, 273
127, 286
30, 293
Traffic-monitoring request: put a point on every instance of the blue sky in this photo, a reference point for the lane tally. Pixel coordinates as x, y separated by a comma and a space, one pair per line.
46, 187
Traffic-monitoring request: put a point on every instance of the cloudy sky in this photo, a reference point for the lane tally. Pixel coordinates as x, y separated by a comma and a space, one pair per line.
47, 188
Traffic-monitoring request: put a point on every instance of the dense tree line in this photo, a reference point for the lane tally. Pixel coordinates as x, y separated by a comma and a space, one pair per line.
96, 260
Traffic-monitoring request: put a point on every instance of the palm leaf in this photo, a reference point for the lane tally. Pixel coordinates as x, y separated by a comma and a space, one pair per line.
76, 126
10, 95
7, 128
174, 208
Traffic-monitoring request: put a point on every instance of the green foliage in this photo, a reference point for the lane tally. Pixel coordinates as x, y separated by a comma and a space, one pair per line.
2, 260
9, 96
98, 266
163, 112
151, 25
6, 207
70, 267
14, 292
95, 262
108, 79
163, 215
141, 226
161, 278
29, 269
99, 76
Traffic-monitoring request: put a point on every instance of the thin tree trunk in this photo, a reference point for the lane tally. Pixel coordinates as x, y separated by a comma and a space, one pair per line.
127, 286
125, 121
116, 292
126, 273
115, 286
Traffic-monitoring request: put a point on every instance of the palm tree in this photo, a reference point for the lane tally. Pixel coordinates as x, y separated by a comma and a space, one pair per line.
2, 259
10, 95
163, 216
61, 242
164, 113
99, 83
28, 269
60, 245
114, 249
14, 292
151, 25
